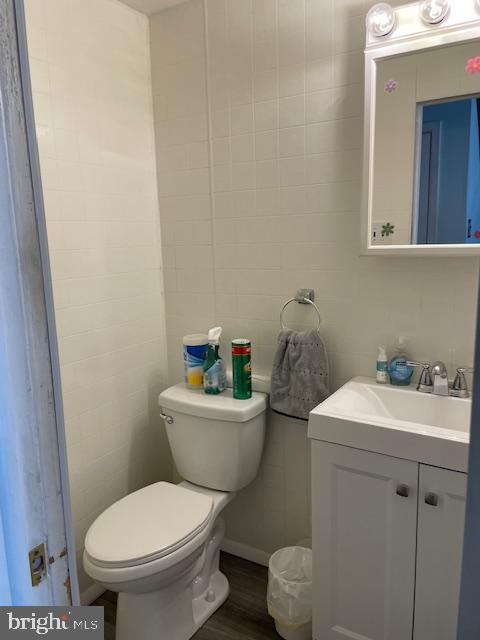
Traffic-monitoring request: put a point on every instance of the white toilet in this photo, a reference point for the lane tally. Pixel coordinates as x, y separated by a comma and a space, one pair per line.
159, 547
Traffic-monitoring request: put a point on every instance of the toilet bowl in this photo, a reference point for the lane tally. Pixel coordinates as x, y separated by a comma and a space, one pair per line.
169, 584
159, 546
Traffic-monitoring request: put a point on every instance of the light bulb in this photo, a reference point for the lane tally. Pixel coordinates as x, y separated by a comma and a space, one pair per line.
381, 19
433, 11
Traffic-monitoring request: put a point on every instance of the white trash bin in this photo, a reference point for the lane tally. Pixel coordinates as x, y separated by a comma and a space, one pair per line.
289, 595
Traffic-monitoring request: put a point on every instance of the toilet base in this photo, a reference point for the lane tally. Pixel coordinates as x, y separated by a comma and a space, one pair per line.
177, 611
144, 617
206, 604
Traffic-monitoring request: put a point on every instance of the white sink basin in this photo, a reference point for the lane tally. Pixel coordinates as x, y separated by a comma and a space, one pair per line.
396, 421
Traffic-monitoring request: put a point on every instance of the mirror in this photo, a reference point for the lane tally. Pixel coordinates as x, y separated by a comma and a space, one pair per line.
422, 188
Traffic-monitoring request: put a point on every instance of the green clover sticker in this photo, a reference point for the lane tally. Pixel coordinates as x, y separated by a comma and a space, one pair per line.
388, 229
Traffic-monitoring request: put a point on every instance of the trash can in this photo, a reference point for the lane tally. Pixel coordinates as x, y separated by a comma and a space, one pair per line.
289, 595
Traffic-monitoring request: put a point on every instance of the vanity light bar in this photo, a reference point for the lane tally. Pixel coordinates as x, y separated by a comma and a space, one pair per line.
383, 19
433, 11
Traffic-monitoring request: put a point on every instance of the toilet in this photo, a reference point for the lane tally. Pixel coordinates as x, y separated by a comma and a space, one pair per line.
159, 547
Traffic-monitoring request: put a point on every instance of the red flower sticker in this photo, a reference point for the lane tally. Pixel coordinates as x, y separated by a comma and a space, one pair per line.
477, 234
473, 65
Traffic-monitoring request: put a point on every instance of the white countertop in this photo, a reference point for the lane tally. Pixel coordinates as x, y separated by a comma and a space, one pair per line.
395, 421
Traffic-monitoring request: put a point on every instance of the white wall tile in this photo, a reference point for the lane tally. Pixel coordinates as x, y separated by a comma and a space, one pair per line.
221, 151
266, 115
242, 148
266, 145
292, 111
292, 142
267, 174
241, 119
94, 117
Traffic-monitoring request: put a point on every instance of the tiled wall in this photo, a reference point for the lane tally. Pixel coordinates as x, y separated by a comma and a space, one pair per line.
272, 204
181, 126
90, 70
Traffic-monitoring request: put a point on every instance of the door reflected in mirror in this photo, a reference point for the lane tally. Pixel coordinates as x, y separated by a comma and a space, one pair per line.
448, 180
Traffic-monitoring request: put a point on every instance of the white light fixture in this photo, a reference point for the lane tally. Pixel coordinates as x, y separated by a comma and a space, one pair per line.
381, 20
433, 11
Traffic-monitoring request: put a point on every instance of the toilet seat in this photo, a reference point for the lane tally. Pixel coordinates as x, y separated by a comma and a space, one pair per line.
147, 525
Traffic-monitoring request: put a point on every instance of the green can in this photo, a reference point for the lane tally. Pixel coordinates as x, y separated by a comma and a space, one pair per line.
242, 368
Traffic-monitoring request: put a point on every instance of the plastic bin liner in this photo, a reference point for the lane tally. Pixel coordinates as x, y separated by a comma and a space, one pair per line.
289, 594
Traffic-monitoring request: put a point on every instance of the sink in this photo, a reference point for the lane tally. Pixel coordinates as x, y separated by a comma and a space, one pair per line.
396, 421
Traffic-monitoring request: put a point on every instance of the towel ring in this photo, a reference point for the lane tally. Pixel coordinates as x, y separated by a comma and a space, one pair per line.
302, 299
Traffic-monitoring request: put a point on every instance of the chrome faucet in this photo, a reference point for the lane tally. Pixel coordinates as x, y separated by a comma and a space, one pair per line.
434, 379
440, 379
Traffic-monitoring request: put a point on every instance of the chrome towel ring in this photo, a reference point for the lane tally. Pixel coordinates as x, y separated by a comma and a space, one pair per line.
304, 296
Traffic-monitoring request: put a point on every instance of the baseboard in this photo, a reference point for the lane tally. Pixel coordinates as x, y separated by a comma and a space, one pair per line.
246, 552
91, 593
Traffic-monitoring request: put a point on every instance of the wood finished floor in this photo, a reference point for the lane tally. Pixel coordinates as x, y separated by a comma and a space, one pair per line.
242, 617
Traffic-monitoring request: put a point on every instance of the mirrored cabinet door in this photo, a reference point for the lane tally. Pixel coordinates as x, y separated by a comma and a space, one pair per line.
422, 160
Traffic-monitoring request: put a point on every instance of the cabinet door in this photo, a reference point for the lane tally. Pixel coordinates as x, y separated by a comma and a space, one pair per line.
364, 515
441, 520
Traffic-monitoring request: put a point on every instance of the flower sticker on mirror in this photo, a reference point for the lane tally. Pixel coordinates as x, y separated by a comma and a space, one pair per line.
473, 65
388, 229
391, 86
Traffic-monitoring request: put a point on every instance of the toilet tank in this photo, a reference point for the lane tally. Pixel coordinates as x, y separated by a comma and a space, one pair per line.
216, 440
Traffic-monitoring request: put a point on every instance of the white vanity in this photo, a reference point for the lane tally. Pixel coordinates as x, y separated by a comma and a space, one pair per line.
388, 499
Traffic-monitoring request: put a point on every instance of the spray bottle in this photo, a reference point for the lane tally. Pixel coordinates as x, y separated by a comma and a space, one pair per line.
214, 371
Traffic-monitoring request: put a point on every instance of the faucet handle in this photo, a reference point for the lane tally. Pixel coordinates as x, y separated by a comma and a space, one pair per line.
465, 370
460, 387
414, 363
425, 383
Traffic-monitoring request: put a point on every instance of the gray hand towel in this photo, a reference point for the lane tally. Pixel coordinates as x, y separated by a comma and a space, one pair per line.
299, 374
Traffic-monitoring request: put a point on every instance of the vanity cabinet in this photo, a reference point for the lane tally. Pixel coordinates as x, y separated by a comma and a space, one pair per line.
387, 546
441, 517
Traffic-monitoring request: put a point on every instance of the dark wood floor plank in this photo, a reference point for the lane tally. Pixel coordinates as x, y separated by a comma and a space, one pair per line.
243, 616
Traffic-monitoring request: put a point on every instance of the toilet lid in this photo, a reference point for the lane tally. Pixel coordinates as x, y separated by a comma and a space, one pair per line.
147, 524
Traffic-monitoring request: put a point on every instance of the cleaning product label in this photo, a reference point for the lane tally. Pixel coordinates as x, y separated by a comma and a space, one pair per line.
382, 371
194, 357
242, 368
214, 378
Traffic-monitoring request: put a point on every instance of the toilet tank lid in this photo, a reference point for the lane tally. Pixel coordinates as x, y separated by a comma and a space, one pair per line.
196, 402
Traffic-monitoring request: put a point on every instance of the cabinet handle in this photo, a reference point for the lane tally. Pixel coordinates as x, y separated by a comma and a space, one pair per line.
403, 490
431, 499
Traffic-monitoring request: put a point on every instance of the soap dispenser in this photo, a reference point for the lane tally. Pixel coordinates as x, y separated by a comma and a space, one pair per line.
400, 372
